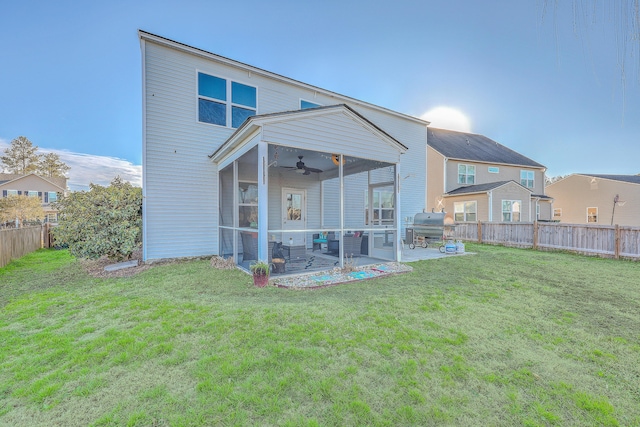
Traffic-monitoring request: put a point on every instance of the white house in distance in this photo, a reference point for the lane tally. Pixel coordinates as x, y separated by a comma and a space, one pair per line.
237, 160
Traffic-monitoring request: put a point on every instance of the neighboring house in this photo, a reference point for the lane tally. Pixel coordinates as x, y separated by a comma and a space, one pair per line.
237, 158
597, 199
474, 178
48, 190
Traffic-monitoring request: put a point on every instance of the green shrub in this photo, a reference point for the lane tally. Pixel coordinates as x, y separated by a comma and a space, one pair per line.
101, 221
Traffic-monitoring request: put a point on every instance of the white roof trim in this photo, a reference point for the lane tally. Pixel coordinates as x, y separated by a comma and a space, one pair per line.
254, 124
30, 174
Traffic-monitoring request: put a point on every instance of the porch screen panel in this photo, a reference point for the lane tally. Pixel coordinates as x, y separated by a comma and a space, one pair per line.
331, 203
355, 197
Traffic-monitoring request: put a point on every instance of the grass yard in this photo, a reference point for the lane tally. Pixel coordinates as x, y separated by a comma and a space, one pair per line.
504, 337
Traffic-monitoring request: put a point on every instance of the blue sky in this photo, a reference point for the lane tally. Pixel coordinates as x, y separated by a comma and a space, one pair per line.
549, 87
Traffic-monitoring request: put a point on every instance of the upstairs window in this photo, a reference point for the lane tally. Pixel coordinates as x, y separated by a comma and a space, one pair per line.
592, 215
526, 179
466, 174
214, 94
32, 193
51, 197
511, 210
307, 104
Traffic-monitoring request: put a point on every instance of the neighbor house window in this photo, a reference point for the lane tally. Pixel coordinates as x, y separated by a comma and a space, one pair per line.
592, 214
7, 193
32, 193
214, 94
383, 207
526, 178
511, 210
51, 217
306, 104
466, 174
51, 197
494, 169
557, 213
465, 211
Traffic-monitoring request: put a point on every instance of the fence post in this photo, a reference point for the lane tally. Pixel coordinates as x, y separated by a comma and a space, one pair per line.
535, 235
616, 249
479, 232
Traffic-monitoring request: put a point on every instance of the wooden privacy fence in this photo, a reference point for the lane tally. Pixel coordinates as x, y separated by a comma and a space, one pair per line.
602, 240
17, 242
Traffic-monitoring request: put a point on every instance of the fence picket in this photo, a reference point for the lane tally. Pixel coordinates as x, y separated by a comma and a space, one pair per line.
603, 240
17, 242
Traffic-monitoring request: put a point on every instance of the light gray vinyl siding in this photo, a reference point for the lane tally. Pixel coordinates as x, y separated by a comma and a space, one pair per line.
181, 202
326, 132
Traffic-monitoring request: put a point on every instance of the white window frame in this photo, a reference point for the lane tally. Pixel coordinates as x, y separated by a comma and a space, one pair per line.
379, 209
310, 102
526, 178
463, 205
594, 216
512, 211
228, 103
466, 174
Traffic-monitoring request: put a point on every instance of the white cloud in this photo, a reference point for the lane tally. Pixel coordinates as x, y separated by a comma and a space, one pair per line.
89, 168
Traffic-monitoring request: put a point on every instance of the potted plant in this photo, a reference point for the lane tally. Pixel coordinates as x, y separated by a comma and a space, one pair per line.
260, 271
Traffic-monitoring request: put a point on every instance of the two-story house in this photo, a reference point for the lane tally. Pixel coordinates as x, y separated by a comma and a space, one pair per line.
237, 159
596, 199
47, 189
474, 178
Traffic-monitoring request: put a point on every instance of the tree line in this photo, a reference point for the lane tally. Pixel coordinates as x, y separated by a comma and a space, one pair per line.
22, 158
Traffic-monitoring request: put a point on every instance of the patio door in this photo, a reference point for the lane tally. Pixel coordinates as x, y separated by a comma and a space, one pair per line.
294, 216
380, 215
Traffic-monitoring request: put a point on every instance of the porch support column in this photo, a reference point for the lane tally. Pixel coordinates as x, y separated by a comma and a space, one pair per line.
396, 214
236, 211
341, 177
263, 201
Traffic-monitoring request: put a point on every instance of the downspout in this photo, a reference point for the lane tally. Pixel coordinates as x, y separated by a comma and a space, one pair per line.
490, 194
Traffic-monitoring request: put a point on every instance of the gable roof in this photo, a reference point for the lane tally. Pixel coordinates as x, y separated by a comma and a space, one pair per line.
60, 182
481, 188
479, 148
632, 179
253, 122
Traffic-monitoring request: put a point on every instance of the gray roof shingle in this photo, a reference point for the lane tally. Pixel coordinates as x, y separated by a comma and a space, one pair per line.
478, 188
469, 146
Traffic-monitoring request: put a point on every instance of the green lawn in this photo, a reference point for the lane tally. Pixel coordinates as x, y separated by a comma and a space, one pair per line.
504, 337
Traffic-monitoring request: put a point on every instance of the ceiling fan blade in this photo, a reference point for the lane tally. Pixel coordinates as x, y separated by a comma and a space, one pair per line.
316, 170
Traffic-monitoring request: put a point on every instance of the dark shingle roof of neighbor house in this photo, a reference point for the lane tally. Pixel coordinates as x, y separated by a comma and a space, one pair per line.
478, 188
469, 146
633, 179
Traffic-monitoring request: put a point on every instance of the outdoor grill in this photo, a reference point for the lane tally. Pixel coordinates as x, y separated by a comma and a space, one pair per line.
428, 228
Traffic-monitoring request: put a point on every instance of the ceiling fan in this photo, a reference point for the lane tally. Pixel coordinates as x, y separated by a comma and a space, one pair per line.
301, 168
